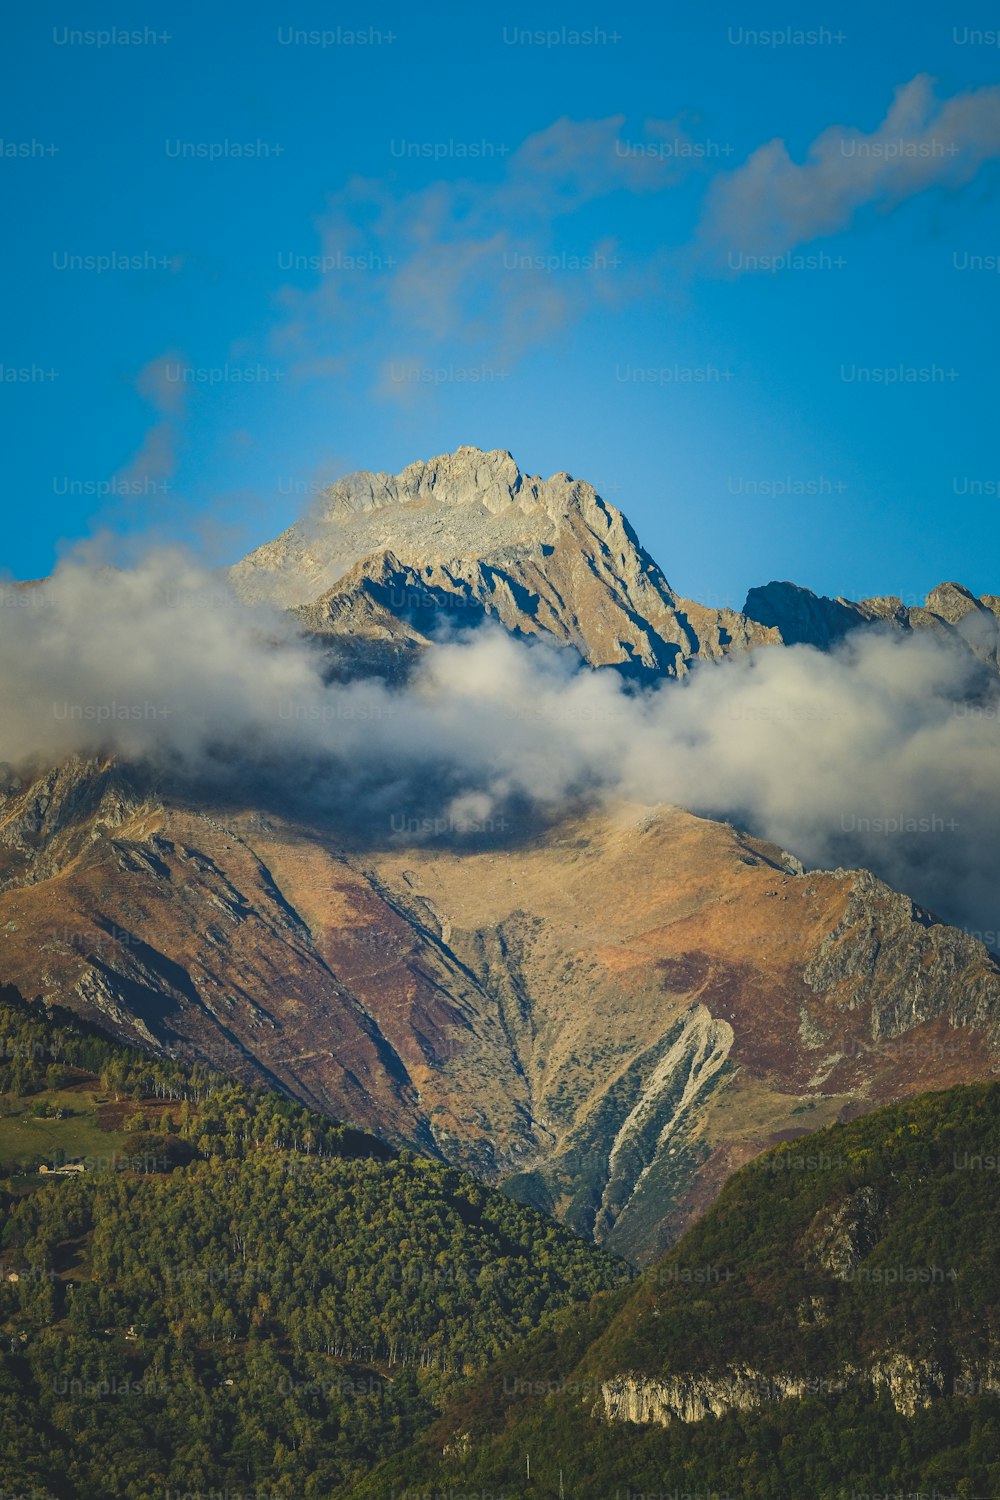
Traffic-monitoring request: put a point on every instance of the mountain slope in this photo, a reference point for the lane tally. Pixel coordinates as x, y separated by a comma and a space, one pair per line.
608, 1015
830, 1327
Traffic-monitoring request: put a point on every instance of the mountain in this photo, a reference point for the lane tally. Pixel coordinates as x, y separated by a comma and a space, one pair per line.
384, 560
831, 1327
389, 558
607, 1015
951, 612
212, 1290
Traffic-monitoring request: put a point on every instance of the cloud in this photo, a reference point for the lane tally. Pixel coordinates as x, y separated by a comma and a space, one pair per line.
501, 254
882, 753
473, 261
771, 204
574, 162
156, 460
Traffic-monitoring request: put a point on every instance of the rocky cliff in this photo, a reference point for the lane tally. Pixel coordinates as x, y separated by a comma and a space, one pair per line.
910, 1385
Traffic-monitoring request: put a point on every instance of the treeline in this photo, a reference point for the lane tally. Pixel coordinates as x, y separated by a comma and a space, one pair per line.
49, 1048
41, 1047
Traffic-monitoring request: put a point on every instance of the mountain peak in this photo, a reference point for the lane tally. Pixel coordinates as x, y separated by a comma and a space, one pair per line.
801, 616
469, 476
951, 611
543, 557
952, 602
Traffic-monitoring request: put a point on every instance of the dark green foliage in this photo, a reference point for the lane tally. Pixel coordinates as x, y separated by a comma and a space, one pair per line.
862, 1243
927, 1275
257, 1299
817, 1449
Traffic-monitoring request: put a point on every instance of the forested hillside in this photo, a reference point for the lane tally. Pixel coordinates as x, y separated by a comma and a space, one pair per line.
234, 1293
830, 1328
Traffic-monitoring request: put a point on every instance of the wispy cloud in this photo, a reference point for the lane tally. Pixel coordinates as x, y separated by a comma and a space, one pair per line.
480, 266
771, 204
155, 462
471, 262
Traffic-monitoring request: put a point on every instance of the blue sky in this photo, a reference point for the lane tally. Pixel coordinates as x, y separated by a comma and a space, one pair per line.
453, 232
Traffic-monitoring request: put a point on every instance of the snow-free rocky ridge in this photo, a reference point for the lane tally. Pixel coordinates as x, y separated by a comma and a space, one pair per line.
383, 560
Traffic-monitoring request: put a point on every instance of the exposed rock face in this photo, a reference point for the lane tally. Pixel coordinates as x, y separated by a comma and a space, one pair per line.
385, 560
802, 617
468, 536
839, 1239
980, 1378
608, 1017
951, 612
911, 1384
849, 959
691, 1398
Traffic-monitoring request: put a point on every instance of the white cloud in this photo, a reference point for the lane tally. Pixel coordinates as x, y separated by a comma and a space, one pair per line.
771, 203
156, 459
883, 753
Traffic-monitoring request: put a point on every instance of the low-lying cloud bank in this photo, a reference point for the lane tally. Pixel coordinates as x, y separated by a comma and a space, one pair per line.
882, 753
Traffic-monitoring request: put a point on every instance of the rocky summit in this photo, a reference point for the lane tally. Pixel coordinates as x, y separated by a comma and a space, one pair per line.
951, 612
384, 561
467, 535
